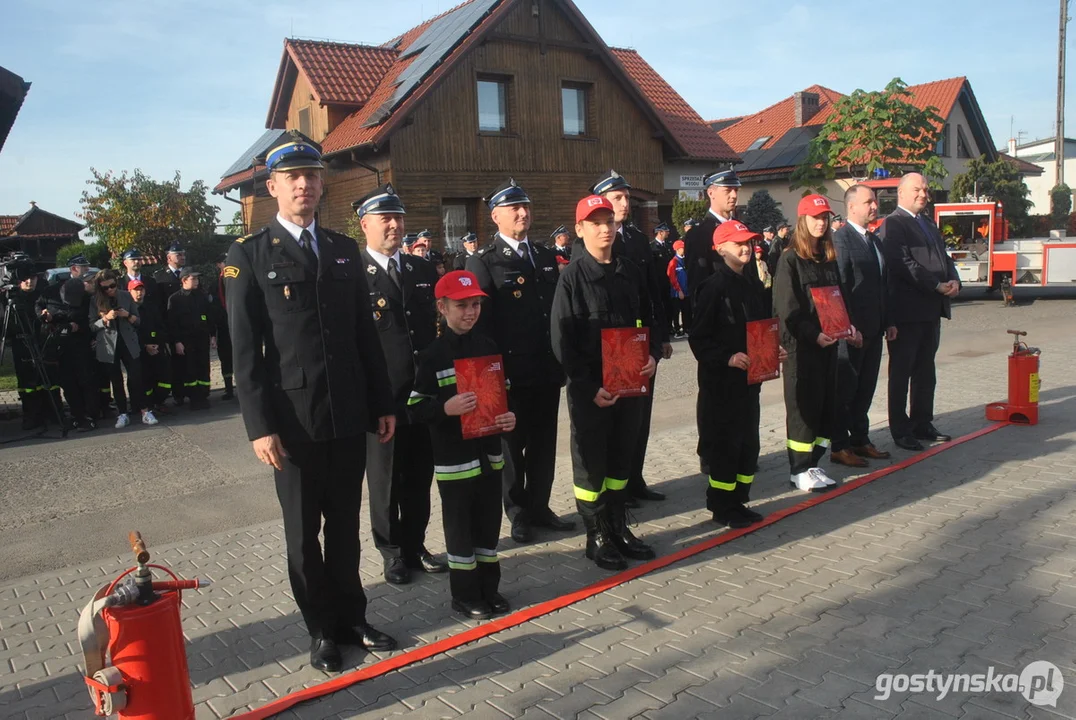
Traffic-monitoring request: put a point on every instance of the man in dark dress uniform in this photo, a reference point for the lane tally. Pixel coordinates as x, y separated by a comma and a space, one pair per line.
399, 473
311, 382
167, 279
470, 247
632, 243
662, 250
520, 278
562, 243
722, 189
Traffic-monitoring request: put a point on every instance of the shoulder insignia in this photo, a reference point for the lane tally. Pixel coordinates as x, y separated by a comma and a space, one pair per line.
485, 250
230, 271
253, 234
409, 266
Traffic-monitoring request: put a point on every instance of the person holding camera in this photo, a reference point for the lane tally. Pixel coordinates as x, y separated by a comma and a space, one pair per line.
65, 347
21, 299
114, 320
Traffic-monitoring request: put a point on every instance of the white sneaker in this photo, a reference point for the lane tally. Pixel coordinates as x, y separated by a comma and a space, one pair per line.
820, 474
122, 421
148, 418
808, 482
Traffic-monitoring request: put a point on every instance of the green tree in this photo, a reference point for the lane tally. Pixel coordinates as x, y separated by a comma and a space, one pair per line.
95, 252
236, 226
762, 210
683, 209
998, 180
135, 210
1060, 206
868, 131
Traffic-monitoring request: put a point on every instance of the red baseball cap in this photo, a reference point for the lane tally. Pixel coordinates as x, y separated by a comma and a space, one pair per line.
135, 284
590, 205
458, 285
732, 231
561, 260
678, 244
814, 205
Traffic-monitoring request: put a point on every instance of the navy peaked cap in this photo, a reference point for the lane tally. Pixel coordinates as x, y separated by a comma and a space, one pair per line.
510, 194
382, 201
609, 182
723, 178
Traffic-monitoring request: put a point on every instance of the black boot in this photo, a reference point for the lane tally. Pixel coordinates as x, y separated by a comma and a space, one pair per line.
600, 546
626, 542
229, 389
742, 496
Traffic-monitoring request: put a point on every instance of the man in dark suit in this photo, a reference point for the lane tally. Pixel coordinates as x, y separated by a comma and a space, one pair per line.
863, 282
520, 277
312, 381
399, 473
722, 189
922, 282
632, 243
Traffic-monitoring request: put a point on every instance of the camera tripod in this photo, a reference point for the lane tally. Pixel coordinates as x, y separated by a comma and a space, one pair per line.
23, 332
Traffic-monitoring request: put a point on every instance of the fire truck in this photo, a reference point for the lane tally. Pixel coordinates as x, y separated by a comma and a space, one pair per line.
977, 238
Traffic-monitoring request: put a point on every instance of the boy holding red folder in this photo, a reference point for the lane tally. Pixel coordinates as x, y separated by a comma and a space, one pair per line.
601, 291
468, 470
727, 411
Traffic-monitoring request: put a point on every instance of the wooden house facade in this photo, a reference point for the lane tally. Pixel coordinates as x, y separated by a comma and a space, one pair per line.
526, 90
38, 233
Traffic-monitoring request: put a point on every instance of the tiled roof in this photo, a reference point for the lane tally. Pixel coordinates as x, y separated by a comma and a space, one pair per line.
779, 118
230, 181
688, 128
1023, 166
776, 120
8, 223
340, 73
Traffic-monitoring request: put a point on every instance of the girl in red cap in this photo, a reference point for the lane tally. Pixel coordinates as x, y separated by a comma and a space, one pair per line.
468, 471
810, 373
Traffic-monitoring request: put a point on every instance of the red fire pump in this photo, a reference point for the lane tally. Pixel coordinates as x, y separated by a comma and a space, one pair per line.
1023, 404
134, 620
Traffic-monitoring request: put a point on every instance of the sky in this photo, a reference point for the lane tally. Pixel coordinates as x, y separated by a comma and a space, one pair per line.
184, 85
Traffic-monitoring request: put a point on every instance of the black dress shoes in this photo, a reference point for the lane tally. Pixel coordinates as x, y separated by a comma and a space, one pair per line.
907, 442
550, 520
396, 571
632, 503
521, 529
472, 609
365, 636
325, 655
427, 563
931, 434
645, 493
498, 604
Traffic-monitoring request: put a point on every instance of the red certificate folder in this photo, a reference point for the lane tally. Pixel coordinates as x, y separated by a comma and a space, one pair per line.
763, 348
484, 376
624, 353
832, 313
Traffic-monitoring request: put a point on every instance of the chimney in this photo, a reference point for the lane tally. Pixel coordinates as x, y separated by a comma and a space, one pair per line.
33, 203
806, 105
1012, 147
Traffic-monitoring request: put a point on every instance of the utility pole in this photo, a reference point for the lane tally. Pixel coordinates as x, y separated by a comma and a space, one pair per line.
1059, 151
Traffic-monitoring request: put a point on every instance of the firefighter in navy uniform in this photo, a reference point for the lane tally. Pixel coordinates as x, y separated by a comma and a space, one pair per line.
722, 190
132, 270
191, 319
470, 247
632, 243
312, 381
399, 473
562, 244
520, 278
602, 289
224, 339
662, 250
167, 279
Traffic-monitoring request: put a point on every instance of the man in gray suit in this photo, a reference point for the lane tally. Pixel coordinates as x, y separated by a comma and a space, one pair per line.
863, 283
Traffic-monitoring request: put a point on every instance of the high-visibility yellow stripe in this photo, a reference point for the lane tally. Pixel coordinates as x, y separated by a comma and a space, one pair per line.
607, 484
443, 382
745, 479
718, 485
821, 442
453, 565
165, 386
797, 446
615, 484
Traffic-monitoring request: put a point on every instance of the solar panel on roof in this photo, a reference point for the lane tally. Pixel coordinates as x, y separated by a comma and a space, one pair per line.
430, 48
260, 147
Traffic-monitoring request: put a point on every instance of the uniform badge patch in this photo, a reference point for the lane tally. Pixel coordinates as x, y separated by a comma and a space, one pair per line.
381, 302
271, 275
371, 269
231, 271
409, 266
521, 279
377, 315
276, 241
342, 261
507, 252
517, 293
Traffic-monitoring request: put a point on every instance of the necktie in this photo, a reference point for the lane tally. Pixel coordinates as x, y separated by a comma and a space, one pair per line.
525, 251
928, 231
306, 242
394, 272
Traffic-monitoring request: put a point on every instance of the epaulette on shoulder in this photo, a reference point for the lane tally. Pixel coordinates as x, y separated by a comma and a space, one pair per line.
336, 233
252, 235
486, 249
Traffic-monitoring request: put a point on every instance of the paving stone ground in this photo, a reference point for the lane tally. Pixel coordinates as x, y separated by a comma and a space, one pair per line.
957, 564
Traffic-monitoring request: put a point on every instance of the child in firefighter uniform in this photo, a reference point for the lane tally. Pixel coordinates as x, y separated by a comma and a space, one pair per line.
727, 410
153, 341
602, 290
190, 325
679, 292
468, 472
810, 372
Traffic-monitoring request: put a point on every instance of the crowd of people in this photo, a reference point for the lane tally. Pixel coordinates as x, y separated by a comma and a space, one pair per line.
84, 334
333, 343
